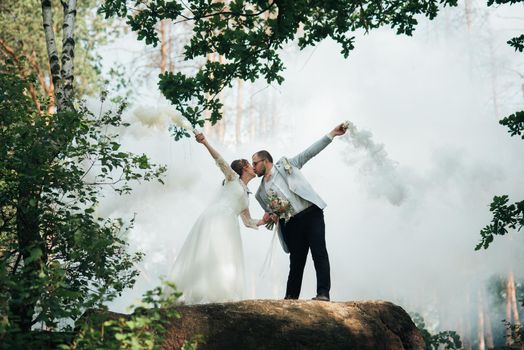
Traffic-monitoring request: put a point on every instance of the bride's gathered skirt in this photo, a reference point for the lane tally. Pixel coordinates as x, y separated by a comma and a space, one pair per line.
210, 264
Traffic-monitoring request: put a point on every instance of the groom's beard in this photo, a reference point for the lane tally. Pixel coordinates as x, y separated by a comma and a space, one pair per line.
262, 172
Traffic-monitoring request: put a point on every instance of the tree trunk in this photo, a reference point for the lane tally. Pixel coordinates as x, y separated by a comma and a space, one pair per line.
489, 329
480, 327
221, 124
62, 75
468, 332
27, 292
170, 46
52, 52
251, 117
468, 14
68, 55
494, 80
52, 101
163, 46
513, 298
240, 103
509, 339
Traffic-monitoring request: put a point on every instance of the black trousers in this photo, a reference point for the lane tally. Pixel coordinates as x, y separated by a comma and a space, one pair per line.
303, 232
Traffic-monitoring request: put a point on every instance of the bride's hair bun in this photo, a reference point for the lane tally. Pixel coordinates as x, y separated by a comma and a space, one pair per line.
238, 165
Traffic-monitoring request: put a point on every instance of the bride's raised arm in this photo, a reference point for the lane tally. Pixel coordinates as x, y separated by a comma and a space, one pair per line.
224, 167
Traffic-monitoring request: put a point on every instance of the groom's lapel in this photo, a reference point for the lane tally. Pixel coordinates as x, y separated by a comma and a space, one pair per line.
280, 168
260, 190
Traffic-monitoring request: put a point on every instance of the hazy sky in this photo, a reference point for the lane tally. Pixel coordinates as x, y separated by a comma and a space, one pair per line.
428, 100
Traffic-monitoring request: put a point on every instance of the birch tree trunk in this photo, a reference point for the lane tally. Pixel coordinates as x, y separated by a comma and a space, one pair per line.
62, 74
68, 55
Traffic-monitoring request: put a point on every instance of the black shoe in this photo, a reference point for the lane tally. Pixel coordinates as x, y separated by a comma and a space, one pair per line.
289, 297
321, 298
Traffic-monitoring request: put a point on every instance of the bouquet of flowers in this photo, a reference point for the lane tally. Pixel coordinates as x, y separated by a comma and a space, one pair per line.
279, 206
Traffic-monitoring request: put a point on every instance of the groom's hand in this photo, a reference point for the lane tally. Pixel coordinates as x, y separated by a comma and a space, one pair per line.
338, 130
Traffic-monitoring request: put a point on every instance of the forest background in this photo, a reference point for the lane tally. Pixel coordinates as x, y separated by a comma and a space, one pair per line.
405, 207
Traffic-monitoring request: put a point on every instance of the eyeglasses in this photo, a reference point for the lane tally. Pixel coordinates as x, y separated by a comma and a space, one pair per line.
258, 161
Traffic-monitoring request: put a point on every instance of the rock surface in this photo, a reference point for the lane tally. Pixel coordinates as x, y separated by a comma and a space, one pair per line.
296, 324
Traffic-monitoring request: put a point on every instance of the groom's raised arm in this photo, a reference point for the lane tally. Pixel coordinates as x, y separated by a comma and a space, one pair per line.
303, 157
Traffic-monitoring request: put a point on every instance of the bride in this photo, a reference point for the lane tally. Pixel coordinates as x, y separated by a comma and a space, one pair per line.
210, 265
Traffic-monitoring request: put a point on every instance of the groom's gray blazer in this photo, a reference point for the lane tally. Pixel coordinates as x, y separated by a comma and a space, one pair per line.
295, 180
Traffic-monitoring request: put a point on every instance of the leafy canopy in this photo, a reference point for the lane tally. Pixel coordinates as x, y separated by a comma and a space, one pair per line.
248, 35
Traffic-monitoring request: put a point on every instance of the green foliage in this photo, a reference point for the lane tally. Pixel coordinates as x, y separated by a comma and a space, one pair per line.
500, 2
144, 329
449, 339
178, 132
248, 35
57, 256
517, 43
515, 124
504, 217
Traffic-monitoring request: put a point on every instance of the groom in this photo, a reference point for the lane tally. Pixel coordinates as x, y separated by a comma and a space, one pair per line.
305, 229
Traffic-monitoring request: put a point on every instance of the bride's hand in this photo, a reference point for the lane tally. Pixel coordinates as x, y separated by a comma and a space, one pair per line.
200, 138
266, 218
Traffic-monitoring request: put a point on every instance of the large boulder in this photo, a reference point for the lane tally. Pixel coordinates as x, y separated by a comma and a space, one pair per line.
294, 324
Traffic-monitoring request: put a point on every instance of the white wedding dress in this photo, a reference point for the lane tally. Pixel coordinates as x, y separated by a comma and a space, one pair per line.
210, 265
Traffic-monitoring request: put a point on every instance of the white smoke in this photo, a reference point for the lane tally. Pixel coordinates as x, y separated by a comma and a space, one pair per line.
150, 116
160, 117
376, 170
